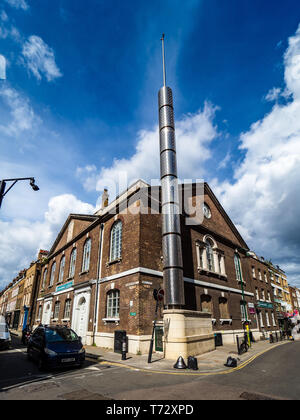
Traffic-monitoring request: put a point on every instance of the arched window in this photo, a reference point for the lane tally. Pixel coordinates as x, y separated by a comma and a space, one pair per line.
116, 241
238, 269
210, 255
53, 268
67, 311
39, 315
61, 270
44, 278
223, 307
72, 263
113, 304
56, 310
206, 304
86, 255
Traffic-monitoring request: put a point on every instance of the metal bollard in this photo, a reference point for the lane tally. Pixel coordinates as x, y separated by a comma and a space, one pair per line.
124, 350
276, 336
271, 338
238, 344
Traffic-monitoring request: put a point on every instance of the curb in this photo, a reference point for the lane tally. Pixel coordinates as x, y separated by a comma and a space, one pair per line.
217, 371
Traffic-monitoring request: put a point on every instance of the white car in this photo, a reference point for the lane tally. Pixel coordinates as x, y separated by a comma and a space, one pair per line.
5, 338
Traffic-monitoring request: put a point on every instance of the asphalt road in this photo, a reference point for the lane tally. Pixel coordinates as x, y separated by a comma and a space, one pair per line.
273, 375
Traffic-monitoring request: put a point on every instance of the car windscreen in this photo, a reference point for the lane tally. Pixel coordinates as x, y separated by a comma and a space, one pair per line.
3, 328
63, 334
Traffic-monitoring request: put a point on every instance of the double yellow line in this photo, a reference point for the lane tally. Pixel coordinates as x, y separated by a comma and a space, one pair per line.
223, 372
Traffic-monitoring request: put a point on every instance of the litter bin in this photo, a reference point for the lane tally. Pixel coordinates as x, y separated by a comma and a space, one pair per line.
218, 340
120, 336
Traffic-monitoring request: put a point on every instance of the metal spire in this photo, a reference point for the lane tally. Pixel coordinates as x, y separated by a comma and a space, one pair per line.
164, 59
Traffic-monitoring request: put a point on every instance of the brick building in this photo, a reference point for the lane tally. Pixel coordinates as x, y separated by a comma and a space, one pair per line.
102, 269
265, 309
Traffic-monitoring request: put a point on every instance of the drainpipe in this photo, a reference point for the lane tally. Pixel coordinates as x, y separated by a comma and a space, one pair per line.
97, 294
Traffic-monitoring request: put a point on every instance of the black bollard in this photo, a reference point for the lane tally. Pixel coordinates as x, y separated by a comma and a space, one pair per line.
124, 350
271, 338
238, 344
180, 363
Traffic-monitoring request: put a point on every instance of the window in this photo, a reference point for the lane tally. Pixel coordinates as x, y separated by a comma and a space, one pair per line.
206, 304
86, 255
244, 312
113, 304
238, 270
257, 294
269, 296
61, 270
263, 294
72, 263
267, 319
39, 312
56, 310
273, 319
259, 275
261, 319
44, 278
67, 312
52, 274
210, 255
253, 272
266, 278
223, 307
116, 242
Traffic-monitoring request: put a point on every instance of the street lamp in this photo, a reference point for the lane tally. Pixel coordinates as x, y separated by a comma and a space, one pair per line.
3, 190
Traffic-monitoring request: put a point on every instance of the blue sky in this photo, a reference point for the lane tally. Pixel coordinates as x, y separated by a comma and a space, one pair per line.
80, 105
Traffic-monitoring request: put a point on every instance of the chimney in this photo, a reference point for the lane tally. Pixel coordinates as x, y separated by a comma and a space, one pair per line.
105, 198
171, 231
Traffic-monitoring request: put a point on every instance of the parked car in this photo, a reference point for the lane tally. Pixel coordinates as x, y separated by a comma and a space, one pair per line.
55, 347
5, 338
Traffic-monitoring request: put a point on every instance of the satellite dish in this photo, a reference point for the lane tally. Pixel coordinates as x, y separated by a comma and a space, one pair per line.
2, 67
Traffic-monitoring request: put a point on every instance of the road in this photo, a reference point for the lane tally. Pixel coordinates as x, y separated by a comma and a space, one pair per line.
275, 375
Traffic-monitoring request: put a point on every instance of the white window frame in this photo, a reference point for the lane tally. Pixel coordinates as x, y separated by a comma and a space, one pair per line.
86, 255
61, 269
67, 309
56, 312
113, 304
52, 274
116, 241
44, 278
73, 258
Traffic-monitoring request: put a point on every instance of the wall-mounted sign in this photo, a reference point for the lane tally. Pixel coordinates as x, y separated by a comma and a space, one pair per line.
65, 286
132, 313
265, 305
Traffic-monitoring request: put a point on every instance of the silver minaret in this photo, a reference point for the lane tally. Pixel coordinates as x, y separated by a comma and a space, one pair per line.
171, 232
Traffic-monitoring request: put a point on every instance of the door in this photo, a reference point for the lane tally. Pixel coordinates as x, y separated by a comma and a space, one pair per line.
159, 333
47, 314
81, 327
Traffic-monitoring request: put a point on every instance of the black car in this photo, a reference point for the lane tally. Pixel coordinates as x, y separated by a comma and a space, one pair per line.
55, 347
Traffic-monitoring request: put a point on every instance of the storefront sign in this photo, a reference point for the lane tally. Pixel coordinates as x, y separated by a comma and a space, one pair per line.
265, 305
65, 286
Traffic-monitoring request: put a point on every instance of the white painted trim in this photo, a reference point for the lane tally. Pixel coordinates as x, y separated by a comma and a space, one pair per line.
143, 270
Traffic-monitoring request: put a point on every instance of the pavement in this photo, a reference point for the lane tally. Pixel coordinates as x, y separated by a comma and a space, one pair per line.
208, 363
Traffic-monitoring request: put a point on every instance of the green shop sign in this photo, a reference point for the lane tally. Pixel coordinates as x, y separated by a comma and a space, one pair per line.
265, 305
65, 286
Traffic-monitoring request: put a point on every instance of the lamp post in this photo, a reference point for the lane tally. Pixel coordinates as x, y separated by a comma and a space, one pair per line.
4, 191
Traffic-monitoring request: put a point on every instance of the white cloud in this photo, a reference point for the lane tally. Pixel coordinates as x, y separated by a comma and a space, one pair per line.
194, 133
2, 67
21, 239
264, 198
39, 58
18, 4
22, 115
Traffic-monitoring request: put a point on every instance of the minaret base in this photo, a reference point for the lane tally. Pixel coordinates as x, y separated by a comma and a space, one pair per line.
187, 333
